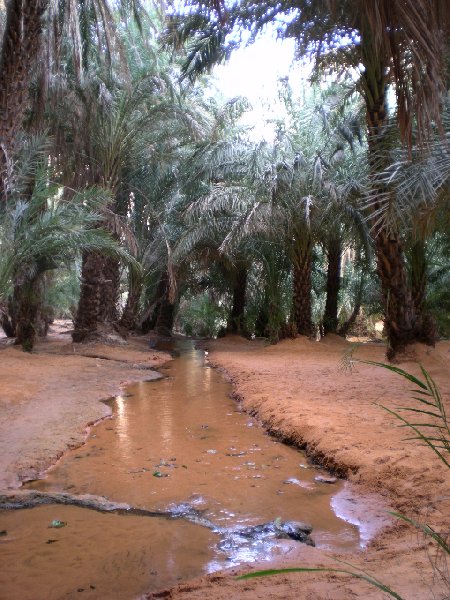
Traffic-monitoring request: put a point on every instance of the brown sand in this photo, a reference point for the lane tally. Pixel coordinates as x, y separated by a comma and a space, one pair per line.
48, 397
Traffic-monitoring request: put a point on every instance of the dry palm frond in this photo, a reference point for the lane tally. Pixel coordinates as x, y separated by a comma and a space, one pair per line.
121, 230
414, 35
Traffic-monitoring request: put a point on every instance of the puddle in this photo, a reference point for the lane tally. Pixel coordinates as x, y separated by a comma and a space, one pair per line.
173, 441
95, 555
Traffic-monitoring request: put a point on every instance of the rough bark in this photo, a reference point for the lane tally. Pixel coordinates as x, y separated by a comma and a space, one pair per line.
397, 303
345, 328
334, 255
236, 320
129, 315
151, 313
29, 305
148, 324
425, 324
20, 50
86, 320
398, 307
301, 302
166, 314
110, 289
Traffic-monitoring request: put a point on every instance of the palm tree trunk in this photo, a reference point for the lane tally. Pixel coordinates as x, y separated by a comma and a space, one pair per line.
166, 314
236, 320
345, 328
129, 315
151, 312
20, 50
28, 298
391, 266
6, 320
86, 319
334, 254
425, 325
301, 302
398, 307
110, 290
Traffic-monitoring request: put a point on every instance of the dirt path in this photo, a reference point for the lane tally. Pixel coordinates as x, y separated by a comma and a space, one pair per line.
297, 389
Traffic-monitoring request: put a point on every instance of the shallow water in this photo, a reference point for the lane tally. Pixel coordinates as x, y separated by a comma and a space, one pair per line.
178, 440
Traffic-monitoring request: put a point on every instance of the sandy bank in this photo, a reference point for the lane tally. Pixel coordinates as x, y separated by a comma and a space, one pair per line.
298, 390
49, 398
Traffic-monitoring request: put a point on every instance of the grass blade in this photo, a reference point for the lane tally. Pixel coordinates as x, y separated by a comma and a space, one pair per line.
358, 575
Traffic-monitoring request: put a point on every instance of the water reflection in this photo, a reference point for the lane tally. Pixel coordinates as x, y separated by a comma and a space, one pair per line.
123, 430
166, 418
182, 439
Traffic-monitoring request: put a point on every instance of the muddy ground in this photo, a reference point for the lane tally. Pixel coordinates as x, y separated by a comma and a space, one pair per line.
299, 390
50, 397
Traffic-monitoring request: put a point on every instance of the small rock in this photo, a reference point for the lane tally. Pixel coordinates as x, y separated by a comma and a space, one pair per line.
325, 479
57, 524
307, 485
296, 528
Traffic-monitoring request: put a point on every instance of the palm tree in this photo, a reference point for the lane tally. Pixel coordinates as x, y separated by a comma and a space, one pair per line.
170, 180
343, 228
274, 298
176, 124
89, 30
19, 51
201, 243
420, 183
108, 144
438, 276
39, 29
43, 233
212, 188
403, 43
127, 129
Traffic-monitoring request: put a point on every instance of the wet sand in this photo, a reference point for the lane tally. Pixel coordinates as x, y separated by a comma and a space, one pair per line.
297, 390
49, 398
177, 446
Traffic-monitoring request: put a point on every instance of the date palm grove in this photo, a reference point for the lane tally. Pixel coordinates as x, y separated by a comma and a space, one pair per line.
133, 197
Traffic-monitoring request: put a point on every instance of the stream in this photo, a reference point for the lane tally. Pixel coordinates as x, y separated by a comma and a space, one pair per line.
177, 444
